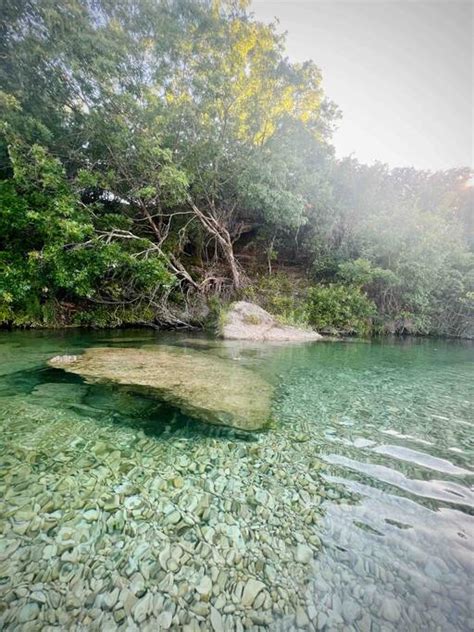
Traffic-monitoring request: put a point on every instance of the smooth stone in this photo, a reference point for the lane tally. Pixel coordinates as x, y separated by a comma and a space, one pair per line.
302, 620
164, 620
119, 615
350, 611
365, 623
142, 608
200, 608
204, 588
258, 618
49, 551
322, 620
177, 553
39, 596
390, 610
28, 612
137, 585
303, 554
270, 573
259, 600
251, 590
164, 556
110, 599
216, 620
91, 515
173, 518
173, 566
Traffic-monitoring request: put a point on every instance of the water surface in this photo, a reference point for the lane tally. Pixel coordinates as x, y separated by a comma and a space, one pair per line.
355, 512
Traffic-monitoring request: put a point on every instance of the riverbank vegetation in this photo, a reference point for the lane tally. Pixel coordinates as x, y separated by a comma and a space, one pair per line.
159, 159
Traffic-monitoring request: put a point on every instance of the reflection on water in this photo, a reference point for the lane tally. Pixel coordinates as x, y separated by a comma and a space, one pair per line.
353, 513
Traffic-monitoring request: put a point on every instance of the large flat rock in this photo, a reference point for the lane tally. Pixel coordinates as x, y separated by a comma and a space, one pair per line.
247, 321
209, 388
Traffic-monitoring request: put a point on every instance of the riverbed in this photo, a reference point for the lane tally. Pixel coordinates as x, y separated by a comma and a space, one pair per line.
353, 511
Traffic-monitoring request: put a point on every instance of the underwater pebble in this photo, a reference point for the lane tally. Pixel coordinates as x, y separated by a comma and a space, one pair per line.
28, 612
251, 590
113, 527
303, 554
390, 610
350, 611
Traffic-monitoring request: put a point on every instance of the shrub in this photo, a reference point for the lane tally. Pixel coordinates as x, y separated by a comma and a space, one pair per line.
345, 309
282, 295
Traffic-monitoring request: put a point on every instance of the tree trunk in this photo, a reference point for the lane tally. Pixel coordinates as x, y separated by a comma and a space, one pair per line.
220, 232
229, 255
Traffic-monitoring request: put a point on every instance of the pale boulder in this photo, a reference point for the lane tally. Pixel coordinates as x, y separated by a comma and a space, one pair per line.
247, 321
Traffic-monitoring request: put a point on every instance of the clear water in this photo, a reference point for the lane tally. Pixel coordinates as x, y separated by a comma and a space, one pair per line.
355, 512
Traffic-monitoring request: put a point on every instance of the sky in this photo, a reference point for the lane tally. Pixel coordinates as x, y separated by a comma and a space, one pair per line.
401, 72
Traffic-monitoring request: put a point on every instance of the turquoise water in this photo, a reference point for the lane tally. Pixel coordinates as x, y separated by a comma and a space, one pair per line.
355, 512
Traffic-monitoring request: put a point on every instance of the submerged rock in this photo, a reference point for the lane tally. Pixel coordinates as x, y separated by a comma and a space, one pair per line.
209, 388
251, 590
247, 321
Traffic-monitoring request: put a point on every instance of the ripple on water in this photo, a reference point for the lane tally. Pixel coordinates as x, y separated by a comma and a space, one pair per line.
422, 459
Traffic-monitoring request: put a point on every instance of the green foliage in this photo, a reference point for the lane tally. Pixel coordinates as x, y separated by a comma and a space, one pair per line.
50, 251
361, 272
282, 295
143, 151
340, 308
399, 236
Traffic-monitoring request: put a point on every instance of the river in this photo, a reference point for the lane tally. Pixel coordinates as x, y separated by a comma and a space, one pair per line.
353, 512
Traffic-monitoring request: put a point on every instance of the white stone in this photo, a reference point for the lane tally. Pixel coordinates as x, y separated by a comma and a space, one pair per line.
204, 587
247, 321
216, 620
303, 554
251, 590
390, 610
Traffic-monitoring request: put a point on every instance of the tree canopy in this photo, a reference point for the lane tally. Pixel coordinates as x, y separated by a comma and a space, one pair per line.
155, 153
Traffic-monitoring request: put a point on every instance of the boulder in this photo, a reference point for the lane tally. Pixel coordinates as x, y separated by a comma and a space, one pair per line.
204, 386
247, 321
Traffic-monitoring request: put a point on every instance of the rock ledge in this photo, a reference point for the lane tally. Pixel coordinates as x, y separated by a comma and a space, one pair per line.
212, 389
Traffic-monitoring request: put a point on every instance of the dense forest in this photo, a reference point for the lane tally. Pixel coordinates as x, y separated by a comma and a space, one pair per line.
160, 158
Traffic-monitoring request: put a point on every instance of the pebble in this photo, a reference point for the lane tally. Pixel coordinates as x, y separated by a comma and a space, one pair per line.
251, 590
165, 620
91, 515
200, 608
137, 584
39, 596
322, 620
204, 588
49, 551
28, 612
302, 620
142, 608
390, 610
216, 620
173, 518
350, 611
303, 554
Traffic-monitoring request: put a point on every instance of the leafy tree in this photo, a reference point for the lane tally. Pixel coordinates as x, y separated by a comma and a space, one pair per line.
147, 147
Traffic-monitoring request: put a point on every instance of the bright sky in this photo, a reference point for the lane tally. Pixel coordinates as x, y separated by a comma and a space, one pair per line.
401, 71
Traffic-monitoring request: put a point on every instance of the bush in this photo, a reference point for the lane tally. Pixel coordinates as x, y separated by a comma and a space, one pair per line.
282, 295
344, 309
